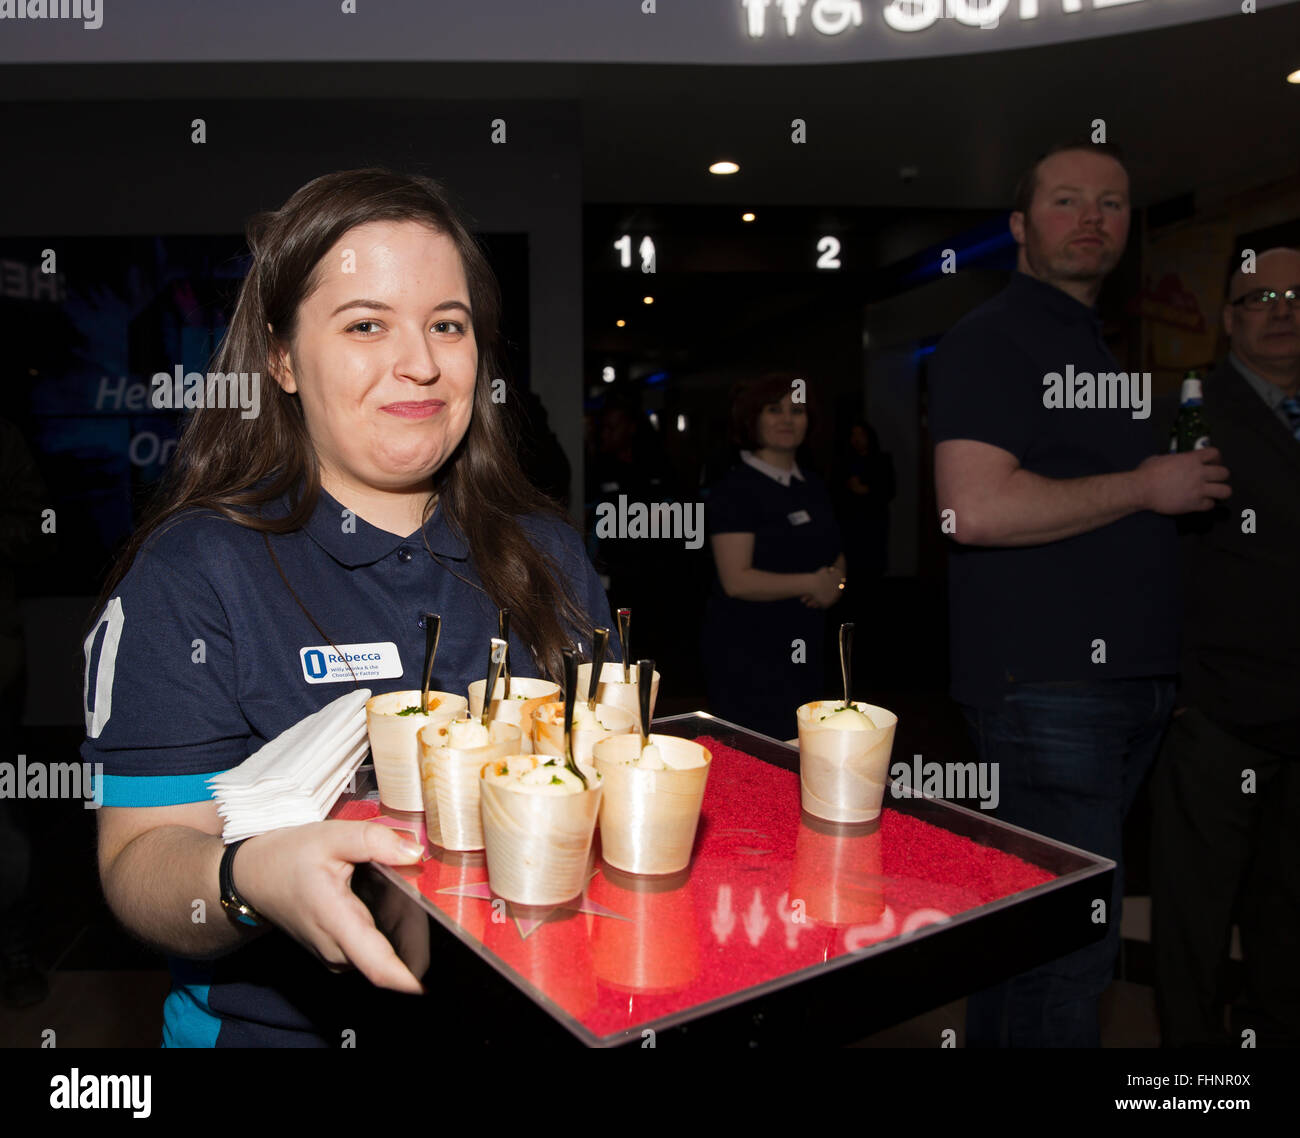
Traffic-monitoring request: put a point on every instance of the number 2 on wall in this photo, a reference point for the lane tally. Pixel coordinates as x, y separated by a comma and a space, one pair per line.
829, 248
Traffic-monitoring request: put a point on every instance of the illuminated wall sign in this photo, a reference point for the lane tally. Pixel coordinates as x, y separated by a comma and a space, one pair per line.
834, 17
646, 249
586, 31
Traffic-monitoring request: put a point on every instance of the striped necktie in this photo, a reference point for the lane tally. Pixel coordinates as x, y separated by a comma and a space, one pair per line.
1291, 408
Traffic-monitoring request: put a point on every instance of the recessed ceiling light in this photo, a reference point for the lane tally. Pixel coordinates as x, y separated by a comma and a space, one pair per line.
647, 300
1294, 77
725, 167
746, 217
621, 323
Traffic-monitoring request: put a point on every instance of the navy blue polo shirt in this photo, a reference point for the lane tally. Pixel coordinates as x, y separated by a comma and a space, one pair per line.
754, 677
203, 654
1032, 613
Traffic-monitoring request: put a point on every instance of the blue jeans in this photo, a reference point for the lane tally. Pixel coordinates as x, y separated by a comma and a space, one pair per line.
1071, 756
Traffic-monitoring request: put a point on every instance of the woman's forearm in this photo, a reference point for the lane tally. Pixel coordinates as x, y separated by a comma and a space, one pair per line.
759, 585
155, 883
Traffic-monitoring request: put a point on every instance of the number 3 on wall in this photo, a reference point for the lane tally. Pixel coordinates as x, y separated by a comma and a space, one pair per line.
97, 716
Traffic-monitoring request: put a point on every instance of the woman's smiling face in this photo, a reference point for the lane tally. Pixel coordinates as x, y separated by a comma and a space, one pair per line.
383, 357
782, 425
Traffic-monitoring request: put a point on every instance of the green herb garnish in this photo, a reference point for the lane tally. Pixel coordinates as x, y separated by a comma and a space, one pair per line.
412, 710
556, 780
550, 762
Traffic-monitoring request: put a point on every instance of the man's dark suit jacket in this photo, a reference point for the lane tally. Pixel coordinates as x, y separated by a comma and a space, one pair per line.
1241, 634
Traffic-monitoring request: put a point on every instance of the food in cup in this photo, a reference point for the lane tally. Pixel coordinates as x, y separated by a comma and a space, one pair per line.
589, 727
652, 801
612, 691
526, 694
538, 820
451, 757
844, 759
842, 718
393, 721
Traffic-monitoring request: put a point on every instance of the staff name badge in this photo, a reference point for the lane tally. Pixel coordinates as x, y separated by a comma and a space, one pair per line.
331, 664
799, 518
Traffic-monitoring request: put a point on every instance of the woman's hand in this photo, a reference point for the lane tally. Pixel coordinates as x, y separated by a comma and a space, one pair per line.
826, 588
299, 879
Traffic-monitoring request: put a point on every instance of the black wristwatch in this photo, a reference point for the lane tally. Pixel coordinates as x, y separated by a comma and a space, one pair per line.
236, 907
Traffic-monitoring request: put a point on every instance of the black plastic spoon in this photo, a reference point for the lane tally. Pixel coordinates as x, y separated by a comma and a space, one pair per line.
432, 630
645, 675
496, 661
599, 646
625, 640
503, 631
570, 692
846, 659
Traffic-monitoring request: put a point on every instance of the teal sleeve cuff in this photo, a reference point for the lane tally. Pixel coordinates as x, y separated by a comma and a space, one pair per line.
156, 790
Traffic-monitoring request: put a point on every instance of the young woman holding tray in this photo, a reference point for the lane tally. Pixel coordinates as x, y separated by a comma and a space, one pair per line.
287, 559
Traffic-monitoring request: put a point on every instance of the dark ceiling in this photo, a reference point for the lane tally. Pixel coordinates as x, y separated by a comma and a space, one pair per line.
1193, 106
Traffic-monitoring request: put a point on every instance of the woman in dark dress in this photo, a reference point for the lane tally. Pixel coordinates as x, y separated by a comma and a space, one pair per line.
779, 559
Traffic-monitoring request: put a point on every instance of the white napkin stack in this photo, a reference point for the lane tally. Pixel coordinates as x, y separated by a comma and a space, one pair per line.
296, 777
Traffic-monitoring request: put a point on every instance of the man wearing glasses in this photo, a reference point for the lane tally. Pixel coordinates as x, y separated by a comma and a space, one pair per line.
1226, 788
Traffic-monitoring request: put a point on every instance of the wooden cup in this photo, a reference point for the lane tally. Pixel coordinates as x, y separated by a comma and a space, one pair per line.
649, 817
843, 774
393, 745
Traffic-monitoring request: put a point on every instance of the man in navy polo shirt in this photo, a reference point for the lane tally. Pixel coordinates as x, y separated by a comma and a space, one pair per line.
1063, 578
221, 632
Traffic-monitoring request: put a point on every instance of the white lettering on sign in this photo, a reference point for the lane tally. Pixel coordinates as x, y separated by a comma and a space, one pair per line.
834, 17
330, 664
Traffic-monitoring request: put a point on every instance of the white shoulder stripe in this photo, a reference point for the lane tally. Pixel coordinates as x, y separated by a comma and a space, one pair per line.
114, 618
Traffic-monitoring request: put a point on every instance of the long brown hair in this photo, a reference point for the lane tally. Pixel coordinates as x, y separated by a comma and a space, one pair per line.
234, 466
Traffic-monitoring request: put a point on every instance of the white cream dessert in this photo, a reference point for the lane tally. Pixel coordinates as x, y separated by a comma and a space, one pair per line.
538, 820
844, 758
588, 729
451, 755
526, 694
466, 734
393, 721
652, 801
583, 717
549, 777
614, 691
838, 717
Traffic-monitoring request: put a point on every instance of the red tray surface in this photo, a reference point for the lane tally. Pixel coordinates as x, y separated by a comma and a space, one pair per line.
769, 893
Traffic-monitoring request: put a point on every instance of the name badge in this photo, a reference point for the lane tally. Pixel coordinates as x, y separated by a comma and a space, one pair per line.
799, 518
325, 665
